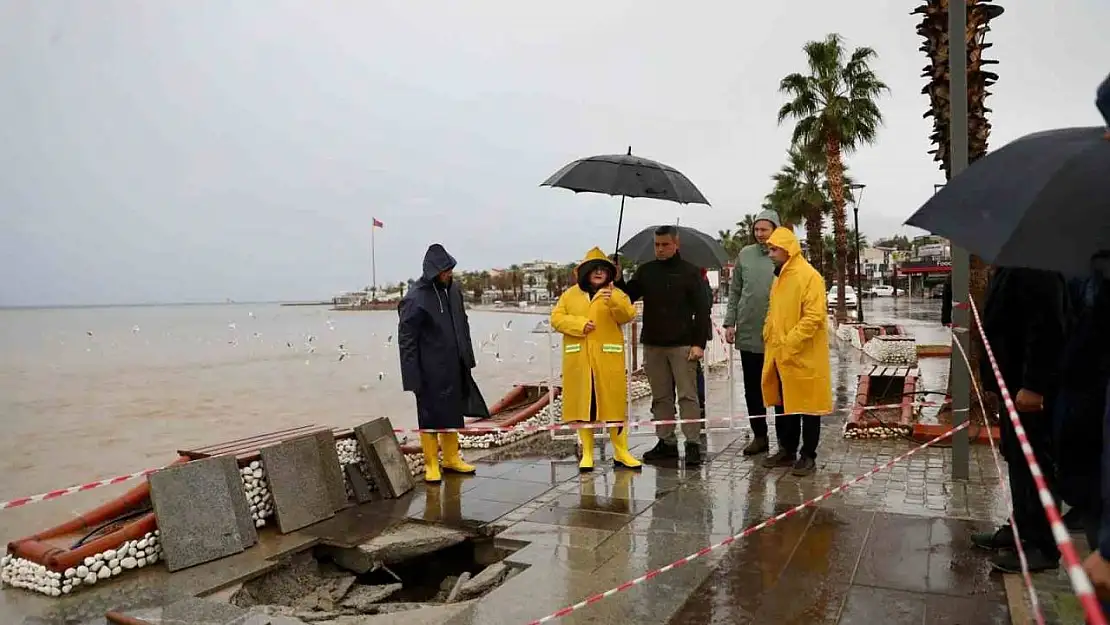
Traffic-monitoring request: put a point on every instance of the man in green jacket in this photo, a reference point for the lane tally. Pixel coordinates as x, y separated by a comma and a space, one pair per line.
748, 295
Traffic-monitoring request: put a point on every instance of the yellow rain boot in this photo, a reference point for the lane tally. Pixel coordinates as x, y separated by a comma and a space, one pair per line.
586, 435
452, 459
621, 456
431, 457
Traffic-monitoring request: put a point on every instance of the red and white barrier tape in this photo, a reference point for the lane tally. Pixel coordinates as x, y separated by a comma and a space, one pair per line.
1034, 602
591, 425
61, 492
744, 534
1079, 582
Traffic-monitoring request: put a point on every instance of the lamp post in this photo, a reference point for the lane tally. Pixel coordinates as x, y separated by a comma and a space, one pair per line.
855, 212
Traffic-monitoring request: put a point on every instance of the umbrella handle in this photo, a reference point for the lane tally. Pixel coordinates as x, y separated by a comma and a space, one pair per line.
620, 220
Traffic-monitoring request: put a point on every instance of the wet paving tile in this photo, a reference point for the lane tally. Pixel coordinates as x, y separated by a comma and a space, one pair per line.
575, 517
506, 490
866, 605
546, 533
585, 500
542, 472
941, 610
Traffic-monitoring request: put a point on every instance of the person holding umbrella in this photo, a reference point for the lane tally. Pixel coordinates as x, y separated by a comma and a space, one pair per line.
589, 315
796, 371
676, 329
748, 295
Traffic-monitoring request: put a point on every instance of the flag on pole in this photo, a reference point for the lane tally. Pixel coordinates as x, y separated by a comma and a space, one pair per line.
377, 224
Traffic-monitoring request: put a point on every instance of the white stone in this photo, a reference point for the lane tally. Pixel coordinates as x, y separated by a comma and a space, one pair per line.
96, 566
66, 588
90, 561
116, 570
104, 573
110, 555
91, 578
128, 563
140, 562
143, 543
113, 563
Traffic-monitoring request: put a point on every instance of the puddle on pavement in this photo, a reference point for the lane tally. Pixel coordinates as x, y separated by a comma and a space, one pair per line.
327, 583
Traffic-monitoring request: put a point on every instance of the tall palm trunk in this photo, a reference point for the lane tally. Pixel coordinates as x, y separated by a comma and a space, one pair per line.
814, 221
835, 176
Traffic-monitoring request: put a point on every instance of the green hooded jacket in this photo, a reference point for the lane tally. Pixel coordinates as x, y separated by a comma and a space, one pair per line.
750, 290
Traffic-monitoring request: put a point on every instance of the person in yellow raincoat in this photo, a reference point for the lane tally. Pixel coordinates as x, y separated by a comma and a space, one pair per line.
589, 315
796, 373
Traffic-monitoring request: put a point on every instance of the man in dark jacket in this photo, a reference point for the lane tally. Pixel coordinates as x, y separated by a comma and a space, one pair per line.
1024, 320
676, 326
436, 358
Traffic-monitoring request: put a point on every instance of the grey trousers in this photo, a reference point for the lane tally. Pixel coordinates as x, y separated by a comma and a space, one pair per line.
669, 371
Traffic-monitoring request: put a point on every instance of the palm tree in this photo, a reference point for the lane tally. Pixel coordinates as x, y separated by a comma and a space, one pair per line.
733, 242
801, 194
835, 111
934, 29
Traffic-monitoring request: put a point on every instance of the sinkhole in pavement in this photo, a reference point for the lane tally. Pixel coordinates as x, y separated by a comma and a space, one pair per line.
410, 567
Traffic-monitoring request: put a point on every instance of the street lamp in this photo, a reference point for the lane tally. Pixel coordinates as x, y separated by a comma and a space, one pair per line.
855, 211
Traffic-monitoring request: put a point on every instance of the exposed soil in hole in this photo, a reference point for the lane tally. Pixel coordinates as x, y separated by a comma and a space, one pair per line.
424, 568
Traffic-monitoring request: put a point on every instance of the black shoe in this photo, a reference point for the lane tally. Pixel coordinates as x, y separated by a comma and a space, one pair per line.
779, 459
1002, 538
758, 445
1007, 561
804, 466
693, 454
662, 451
1073, 520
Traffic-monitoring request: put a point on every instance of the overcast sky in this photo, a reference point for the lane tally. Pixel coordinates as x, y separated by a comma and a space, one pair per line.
196, 150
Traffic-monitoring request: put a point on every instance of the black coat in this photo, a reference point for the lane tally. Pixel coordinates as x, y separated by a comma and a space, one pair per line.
1025, 320
676, 302
437, 355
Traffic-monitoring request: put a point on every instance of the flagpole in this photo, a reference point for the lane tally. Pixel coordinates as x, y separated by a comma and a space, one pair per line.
373, 265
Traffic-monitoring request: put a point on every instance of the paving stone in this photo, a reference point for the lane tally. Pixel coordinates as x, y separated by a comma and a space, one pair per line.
359, 483
298, 483
362, 598
193, 611
333, 471
388, 467
200, 508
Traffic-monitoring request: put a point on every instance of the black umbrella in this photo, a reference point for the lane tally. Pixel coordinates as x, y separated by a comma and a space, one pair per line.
1042, 201
695, 246
627, 176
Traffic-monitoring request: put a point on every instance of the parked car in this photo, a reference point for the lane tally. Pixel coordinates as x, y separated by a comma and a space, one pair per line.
881, 290
849, 297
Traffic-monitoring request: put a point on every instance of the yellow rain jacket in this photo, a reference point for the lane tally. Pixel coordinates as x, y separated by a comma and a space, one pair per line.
796, 372
595, 361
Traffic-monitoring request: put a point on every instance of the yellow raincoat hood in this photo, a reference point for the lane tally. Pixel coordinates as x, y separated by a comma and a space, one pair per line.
597, 254
784, 238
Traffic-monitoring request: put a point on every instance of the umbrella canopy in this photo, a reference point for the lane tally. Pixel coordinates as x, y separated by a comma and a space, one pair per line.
695, 247
628, 176
1042, 201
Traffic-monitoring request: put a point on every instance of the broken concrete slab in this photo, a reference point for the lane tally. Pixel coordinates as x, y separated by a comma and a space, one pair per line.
491, 576
365, 598
298, 483
453, 595
202, 512
387, 464
284, 586
413, 614
396, 544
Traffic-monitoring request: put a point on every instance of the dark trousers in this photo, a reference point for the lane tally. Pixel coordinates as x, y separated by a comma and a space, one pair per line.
751, 364
790, 428
701, 388
1028, 512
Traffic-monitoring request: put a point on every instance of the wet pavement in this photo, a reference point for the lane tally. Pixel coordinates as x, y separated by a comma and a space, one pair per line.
893, 549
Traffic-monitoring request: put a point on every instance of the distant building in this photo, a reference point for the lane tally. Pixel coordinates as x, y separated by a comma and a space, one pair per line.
929, 264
